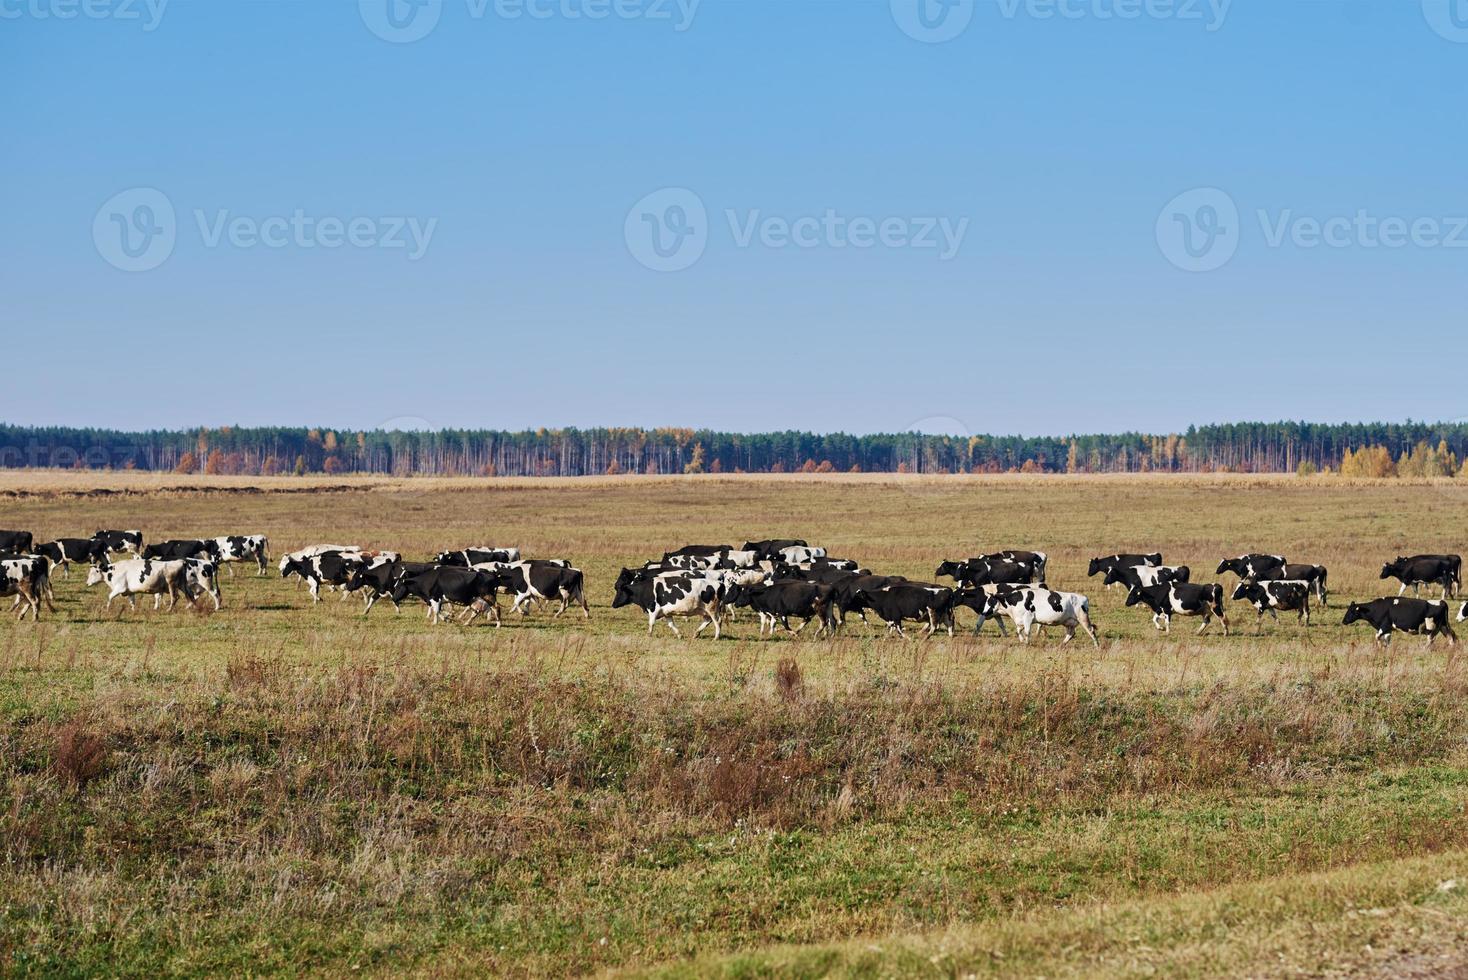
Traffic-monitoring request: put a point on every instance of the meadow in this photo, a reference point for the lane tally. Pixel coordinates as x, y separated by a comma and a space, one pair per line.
281, 788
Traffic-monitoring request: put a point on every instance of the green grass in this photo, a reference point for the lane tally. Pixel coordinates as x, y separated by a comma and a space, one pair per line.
278, 788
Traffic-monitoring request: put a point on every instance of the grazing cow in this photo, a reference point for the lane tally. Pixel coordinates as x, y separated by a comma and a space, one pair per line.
113, 541
980, 571
1180, 599
932, 604
1420, 570
1031, 606
469, 557
168, 550
142, 576
776, 603
1396, 614
200, 575
28, 579
333, 568
1251, 566
800, 554
468, 587
1274, 595
1124, 560
671, 594
1131, 575
543, 581
770, 550
240, 547
63, 552
19, 542
1312, 575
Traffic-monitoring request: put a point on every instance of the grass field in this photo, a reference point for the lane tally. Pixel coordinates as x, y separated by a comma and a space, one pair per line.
281, 788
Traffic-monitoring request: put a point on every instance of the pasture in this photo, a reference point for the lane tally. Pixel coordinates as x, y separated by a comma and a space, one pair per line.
281, 788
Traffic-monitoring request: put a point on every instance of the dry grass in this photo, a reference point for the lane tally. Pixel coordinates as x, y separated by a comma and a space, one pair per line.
278, 788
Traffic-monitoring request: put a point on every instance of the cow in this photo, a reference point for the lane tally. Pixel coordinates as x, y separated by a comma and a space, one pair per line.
1180, 599
932, 604
469, 557
845, 590
1109, 562
728, 558
1130, 575
333, 568
979, 571
19, 542
1312, 575
1396, 614
699, 549
114, 541
291, 564
777, 602
378, 577
468, 587
671, 594
770, 550
63, 552
1273, 595
543, 581
799, 554
1251, 566
28, 579
168, 550
142, 576
1420, 570
1027, 607
1035, 560
839, 564
200, 575
231, 548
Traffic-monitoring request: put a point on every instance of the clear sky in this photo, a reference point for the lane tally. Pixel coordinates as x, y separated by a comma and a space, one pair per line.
870, 216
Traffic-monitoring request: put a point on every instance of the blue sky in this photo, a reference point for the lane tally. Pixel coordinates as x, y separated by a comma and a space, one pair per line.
1062, 144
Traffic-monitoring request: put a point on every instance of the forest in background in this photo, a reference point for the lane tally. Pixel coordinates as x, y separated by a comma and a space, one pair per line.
1356, 449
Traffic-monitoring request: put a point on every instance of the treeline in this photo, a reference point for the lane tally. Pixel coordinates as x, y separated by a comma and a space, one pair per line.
1246, 447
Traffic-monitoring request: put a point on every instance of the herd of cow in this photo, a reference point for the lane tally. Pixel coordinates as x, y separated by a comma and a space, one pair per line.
778, 579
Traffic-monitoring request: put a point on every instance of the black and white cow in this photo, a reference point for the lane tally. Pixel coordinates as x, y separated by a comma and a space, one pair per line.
469, 557
1180, 599
1271, 596
729, 558
1313, 575
182, 548
1028, 607
777, 602
770, 549
142, 576
977, 599
543, 581
1420, 570
1130, 575
975, 572
293, 562
1403, 615
671, 594
114, 541
1108, 562
800, 554
231, 548
64, 552
1035, 560
845, 590
19, 542
1251, 566
931, 604
378, 577
331, 568
699, 549
468, 587
28, 579
201, 575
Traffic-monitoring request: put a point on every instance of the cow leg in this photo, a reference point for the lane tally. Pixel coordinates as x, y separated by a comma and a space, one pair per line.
1447, 630
371, 601
315, 585
1090, 628
673, 626
229, 567
1223, 618
652, 619
157, 598
1070, 634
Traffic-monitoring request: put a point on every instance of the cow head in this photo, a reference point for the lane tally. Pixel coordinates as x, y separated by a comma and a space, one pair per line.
1354, 612
1135, 595
1248, 591
949, 568
1392, 568
97, 574
1097, 564
1114, 574
292, 566
1235, 565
